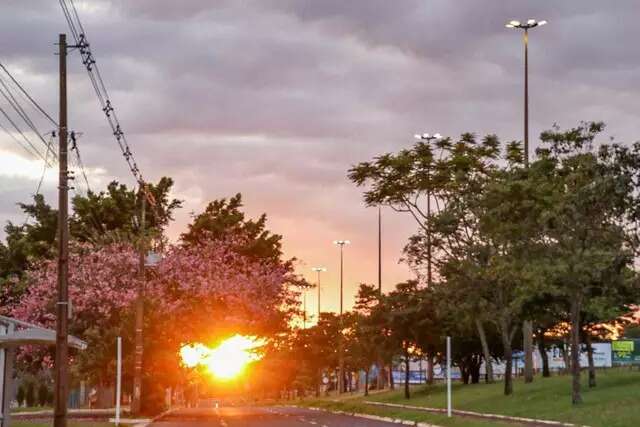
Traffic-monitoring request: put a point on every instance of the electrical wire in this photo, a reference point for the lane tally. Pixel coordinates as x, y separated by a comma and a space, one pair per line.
26, 94
35, 151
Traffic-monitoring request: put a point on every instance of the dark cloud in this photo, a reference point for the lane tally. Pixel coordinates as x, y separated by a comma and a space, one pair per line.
277, 98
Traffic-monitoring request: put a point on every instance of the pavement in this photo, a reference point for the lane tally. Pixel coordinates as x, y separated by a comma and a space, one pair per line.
253, 416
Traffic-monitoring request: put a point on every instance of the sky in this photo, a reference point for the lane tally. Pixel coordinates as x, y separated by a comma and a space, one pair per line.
277, 99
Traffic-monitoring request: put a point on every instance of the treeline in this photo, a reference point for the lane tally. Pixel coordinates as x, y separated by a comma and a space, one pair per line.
505, 253
225, 275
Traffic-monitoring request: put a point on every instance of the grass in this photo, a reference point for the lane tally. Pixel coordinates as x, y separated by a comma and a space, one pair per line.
613, 403
357, 406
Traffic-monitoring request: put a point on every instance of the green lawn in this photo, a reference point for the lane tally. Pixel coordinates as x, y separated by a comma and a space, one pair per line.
614, 403
356, 405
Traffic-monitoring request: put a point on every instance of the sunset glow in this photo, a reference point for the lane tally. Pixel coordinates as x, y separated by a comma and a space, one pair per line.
226, 361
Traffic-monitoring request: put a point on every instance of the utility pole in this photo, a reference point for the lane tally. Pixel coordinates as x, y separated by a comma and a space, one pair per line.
139, 321
62, 306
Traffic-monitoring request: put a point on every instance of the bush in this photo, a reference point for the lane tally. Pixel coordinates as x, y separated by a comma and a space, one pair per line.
20, 395
43, 394
31, 395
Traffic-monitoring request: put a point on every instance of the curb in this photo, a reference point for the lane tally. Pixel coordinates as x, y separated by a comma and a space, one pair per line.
373, 417
145, 423
475, 414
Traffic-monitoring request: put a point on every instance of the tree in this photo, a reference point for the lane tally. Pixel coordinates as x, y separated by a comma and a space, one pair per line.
43, 394
102, 283
449, 175
362, 342
223, 218
405, 322
21, 396
114, 213
30, 396
590, 223
30, 241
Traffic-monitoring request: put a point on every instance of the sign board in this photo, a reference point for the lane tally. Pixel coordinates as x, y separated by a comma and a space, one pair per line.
601, 357
626, 352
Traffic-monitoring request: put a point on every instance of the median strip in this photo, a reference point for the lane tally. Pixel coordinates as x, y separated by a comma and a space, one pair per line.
375, 417
522, 420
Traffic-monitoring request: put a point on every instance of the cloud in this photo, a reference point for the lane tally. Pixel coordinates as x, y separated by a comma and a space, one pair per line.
278, 98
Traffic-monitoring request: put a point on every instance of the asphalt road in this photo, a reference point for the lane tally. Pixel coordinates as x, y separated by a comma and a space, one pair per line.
261, 417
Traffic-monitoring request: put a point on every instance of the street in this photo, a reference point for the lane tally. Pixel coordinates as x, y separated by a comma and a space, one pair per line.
261, 417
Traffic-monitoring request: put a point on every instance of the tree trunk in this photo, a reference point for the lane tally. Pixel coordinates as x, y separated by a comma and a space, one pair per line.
464, 373
475, 375
380, 377
407, 394
318, 382
430, 372
392, 384
592, 367
527, 334
366, 382
542, 348
576, 397
485, 351
565, 357
508, 360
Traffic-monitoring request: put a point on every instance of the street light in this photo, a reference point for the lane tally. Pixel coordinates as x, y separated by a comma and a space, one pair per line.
319, 270
531, 23
428, 138
342, 244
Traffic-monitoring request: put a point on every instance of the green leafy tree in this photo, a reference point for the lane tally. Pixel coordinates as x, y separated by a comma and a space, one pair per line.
446, 177
223, 218
114, 214
590, 223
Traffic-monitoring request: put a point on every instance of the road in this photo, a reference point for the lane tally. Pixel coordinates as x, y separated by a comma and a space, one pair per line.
261, 417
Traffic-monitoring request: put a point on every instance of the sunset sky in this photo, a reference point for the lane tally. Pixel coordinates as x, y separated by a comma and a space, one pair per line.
276, 99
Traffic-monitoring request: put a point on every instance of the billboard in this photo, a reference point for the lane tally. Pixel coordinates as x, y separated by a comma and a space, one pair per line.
626, 352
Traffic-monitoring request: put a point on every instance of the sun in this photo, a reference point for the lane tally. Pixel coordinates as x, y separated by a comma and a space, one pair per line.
226, 361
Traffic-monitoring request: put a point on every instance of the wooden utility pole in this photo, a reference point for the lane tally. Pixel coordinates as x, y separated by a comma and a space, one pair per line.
139, 345
62, 306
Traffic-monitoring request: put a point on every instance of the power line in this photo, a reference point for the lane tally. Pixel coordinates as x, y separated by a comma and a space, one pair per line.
75, 149
26, 94
88, 60
95, 77
13, 102
29, 143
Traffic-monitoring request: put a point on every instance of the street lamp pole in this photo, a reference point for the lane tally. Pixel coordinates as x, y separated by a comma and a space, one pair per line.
527, 326
341, 243
531, 23
427, 137
319, 270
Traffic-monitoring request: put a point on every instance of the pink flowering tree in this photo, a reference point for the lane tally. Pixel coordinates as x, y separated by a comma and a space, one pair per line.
102, 285
210, 288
